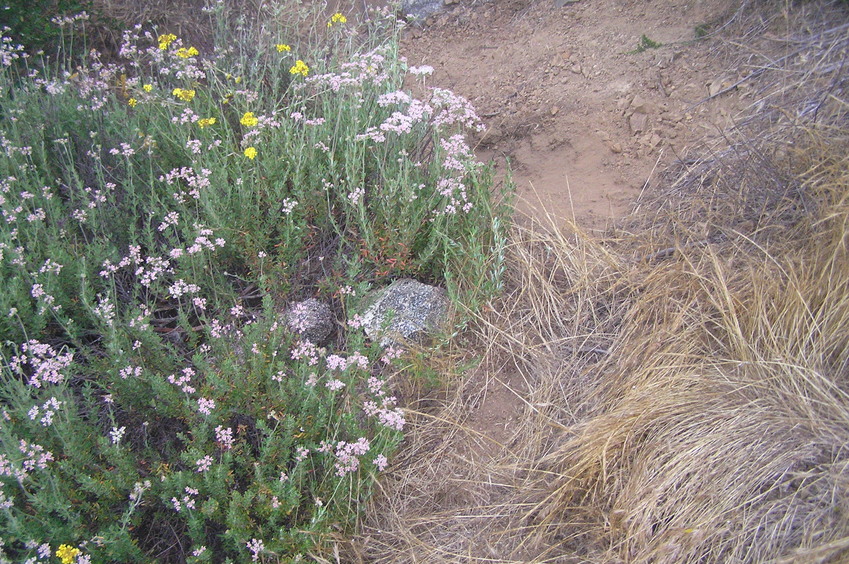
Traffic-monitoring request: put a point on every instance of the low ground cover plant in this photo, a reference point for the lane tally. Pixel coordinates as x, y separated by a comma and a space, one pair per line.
159, 213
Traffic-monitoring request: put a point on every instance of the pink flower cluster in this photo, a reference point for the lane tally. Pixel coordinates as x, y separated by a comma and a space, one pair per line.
305, 350
383, 406
224, 437
42, 363
454, 110
205, 406
10, 52
363, 68
347, 456
128, 371
181, 287
188, 500
48, 409
337, 362
399, 122
183, 382
256, 546
204, 464
34, 457
94, 82
194, 180
454, 192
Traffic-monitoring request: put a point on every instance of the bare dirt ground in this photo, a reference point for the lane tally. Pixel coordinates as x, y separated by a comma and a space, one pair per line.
583, 118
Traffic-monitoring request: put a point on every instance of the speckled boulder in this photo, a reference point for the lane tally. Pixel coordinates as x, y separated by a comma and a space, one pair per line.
406, 310
421, 9
311, 319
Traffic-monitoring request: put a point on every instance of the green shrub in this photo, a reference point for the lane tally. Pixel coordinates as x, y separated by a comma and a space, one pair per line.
158, 216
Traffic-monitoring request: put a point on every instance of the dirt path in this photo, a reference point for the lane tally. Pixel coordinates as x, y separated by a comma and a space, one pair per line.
582, 116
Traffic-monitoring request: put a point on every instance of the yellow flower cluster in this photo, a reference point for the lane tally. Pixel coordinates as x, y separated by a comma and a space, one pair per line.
281, 47
337, 18
250, 152
165, 40
132, 102
206, 122
183, 94
67, 553
147, 87
184, 53
299, 67
248, 120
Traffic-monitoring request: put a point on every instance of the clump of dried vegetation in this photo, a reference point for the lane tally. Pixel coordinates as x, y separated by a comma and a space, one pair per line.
685, 379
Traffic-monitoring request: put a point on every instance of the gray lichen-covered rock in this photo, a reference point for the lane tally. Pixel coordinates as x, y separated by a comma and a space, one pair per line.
405, 310
421, 9
311, 319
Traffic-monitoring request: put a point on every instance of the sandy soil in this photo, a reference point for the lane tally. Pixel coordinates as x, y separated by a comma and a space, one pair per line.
583, 118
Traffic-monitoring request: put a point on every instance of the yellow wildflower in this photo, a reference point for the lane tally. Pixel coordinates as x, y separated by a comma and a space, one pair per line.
283, 47
184, 53
67, 553
250, 152
165, 40
337, 18
238, 80
299, 67
147, 87
248, 120
132, 102
204, 122
184, 95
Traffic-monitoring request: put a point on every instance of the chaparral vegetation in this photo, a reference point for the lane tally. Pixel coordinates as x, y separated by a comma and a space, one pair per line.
161, 208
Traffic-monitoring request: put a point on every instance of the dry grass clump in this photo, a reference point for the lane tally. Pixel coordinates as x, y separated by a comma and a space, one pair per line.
684, 384
722, 421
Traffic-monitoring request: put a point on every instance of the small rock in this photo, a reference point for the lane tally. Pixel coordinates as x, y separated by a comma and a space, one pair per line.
640, 105
311, 319
405, 310
654, 140
718, 85
615, 148
638, 123
421, 9
554, 110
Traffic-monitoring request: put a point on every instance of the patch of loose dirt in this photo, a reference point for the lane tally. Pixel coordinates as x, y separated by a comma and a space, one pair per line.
582, 118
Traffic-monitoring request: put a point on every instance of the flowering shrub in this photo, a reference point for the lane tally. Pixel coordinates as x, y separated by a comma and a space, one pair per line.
147, 368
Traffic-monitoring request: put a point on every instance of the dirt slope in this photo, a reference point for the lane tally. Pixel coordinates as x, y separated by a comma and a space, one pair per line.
583, 117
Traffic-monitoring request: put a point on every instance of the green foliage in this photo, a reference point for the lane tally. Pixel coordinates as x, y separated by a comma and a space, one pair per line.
645, 43
158, 216
30, 22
